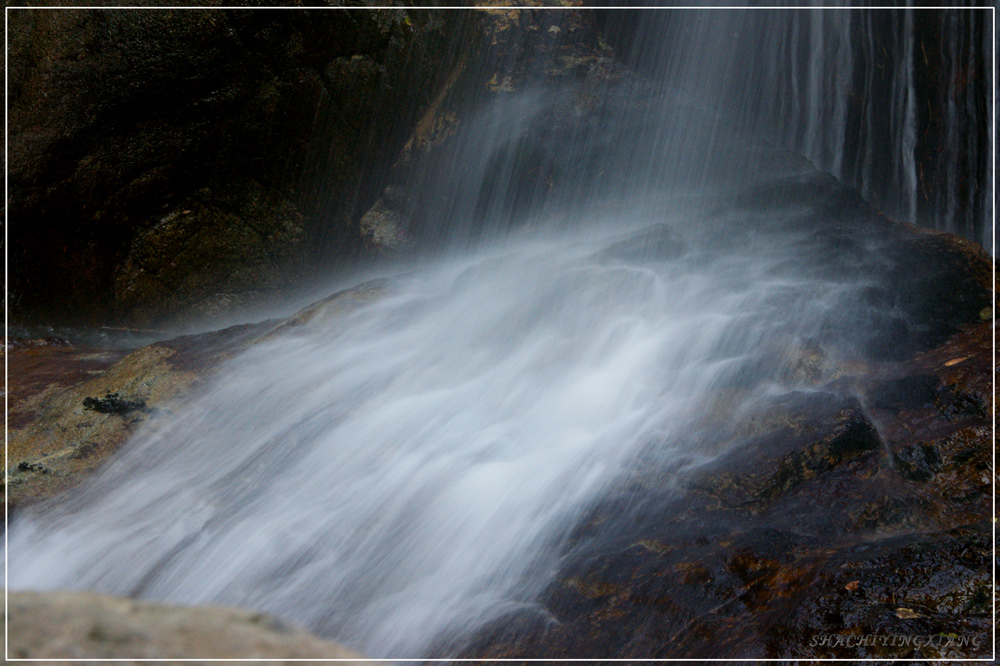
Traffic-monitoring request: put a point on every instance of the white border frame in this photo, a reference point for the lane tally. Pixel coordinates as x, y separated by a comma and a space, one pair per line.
993, 133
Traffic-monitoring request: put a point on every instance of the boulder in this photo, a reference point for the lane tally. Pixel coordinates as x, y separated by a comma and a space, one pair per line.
209, 255
57, 626
836, 516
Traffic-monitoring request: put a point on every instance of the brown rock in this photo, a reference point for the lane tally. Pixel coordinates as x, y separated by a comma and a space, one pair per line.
72, 408
85, 625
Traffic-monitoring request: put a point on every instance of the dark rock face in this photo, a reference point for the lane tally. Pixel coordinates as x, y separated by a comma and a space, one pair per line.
924, 596
166, 163
210, 254
558, 55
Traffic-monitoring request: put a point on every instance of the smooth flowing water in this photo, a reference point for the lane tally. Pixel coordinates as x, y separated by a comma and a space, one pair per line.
398, 476
401, 475
895, 102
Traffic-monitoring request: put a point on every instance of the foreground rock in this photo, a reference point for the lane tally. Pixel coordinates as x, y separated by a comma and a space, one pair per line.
84, 625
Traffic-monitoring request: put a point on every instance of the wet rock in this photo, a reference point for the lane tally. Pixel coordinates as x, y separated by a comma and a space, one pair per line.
112, 403
64, 429
336, 305
834, 527
904, 393
384, 230
35, 370
86, 625
940, 282
764, 475
69, 414
922, 596
918, 462
706, 586
806, 362
242, 243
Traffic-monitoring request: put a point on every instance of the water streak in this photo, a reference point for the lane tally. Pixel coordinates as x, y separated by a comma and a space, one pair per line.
893, 102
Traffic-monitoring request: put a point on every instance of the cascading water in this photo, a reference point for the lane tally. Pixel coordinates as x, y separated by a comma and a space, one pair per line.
406, 474
399, 476
895, 102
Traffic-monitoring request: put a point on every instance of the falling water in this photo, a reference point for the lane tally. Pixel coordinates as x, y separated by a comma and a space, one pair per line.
398, 476
895, 102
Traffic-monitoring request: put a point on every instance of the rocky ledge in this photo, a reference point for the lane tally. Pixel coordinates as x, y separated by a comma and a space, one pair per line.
57, 626
72, 407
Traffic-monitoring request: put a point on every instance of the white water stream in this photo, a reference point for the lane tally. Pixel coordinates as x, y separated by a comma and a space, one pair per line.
406, 472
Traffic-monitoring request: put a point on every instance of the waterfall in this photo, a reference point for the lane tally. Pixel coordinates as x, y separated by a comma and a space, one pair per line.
399, 476
895, 102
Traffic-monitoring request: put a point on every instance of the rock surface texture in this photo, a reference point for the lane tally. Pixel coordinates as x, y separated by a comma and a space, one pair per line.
72, 407
57, 626
169, 165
